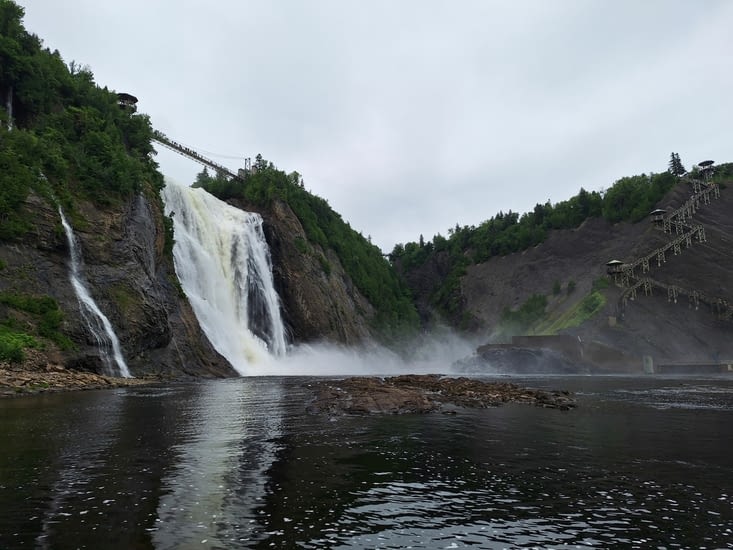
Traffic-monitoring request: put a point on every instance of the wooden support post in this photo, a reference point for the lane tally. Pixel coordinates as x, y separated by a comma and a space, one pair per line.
647, 287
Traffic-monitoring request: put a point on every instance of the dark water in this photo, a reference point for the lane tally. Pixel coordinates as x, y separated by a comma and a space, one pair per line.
643, 462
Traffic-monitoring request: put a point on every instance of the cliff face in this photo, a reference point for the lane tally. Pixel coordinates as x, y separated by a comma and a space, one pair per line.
320, 302
130, 278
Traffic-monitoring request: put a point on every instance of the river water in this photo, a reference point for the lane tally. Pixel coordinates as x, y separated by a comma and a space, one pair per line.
641, 463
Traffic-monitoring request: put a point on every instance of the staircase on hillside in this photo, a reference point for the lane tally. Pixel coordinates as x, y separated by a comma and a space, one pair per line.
679, 225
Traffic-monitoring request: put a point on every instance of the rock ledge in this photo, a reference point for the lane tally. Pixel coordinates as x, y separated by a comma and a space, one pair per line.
414, 393
15, 382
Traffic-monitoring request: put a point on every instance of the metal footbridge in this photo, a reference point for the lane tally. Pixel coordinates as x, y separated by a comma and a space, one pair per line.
164, 140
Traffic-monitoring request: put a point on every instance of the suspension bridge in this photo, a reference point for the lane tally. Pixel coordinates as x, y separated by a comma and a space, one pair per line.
164, 140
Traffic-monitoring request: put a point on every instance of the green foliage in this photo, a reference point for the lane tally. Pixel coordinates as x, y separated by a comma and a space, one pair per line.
723, 174
325, 264
632, 198
65, 128
585, 309
592, 303
48, 316
31, 304
675, 165
571, 286
169, 237
601, 283
301, 245
629, 199
17, 176
363, 262
556, 288
528, 314
13, 343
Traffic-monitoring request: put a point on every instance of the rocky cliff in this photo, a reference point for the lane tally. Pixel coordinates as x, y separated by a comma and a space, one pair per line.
130, 277
569, 264
320, 301
664, 320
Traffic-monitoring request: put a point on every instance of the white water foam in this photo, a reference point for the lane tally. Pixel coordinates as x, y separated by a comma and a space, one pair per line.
223, 264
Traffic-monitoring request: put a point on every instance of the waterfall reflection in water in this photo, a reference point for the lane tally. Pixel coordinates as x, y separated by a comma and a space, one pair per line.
642, 462
221, 468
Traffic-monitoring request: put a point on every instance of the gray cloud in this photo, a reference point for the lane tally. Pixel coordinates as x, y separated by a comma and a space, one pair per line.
411, 116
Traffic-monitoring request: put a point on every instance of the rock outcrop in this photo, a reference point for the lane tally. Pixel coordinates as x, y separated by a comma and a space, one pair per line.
130, 277
38, 375
320, 302
413, 393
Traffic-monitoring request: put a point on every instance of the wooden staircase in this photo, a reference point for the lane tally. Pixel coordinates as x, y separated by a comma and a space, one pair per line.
684, 233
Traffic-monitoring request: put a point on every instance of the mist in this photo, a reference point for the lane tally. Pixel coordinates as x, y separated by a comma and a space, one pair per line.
428, 354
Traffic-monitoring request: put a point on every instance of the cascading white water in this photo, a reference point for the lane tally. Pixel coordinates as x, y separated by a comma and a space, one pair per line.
9, 108
223, 263
96, 321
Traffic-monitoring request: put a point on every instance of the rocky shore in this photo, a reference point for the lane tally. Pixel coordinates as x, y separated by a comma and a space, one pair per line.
424, 393
14, 383
35, 375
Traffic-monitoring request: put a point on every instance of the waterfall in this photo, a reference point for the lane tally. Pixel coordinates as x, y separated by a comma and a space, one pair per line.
223, 263
96, 321
9, 108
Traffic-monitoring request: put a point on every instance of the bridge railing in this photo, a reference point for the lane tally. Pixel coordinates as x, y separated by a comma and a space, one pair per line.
164, 140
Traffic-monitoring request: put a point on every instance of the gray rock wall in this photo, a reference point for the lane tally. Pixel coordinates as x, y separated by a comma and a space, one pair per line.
130, 278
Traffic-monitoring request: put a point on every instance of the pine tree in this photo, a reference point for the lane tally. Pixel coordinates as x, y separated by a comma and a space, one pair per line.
675, 165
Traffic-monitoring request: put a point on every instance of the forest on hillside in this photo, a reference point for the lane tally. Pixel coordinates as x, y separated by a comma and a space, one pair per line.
629, 199
61, 134
65, 139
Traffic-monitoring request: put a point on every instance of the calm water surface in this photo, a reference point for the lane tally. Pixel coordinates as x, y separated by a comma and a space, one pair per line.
643, 462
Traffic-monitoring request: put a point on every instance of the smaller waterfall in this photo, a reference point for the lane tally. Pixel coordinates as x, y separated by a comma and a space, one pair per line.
9, 108
96, 321
223, 262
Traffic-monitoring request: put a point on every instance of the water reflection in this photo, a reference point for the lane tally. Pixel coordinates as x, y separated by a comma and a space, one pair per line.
211, 494
83, 447
237, 464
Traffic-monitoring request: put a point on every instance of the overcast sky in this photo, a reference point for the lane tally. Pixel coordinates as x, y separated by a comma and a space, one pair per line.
412, 116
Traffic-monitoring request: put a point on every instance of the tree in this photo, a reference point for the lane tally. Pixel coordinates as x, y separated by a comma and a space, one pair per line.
260, 163
202, 178
675, 165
